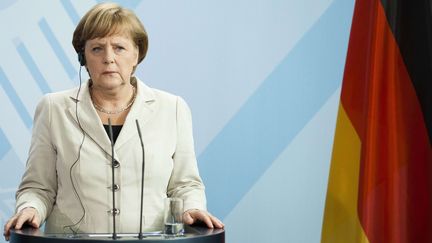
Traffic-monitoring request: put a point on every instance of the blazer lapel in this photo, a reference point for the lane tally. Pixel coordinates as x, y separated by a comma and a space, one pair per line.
142, 110
89, 119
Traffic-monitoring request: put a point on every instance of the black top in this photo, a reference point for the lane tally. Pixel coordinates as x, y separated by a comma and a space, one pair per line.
115, 129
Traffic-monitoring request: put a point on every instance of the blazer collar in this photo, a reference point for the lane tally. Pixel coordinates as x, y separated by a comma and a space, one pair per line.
142, 110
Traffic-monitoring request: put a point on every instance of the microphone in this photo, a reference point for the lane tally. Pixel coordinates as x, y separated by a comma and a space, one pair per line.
114, 211
140, 235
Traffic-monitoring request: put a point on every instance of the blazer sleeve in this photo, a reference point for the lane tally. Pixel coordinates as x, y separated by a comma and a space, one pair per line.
38, 187
185, 181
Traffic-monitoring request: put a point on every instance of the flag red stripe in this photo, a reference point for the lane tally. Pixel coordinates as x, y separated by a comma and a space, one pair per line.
356, 74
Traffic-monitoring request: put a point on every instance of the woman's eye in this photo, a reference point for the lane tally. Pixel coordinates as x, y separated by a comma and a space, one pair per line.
120, 48
96, 49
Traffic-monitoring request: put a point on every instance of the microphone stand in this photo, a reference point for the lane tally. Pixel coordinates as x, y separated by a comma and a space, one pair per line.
114, 211
140, 235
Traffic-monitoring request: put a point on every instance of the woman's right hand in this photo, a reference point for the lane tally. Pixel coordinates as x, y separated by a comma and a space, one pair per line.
26, 216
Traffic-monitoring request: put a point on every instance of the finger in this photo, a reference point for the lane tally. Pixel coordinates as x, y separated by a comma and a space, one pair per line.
204, 217
6, 235
11, 222
22, 219
216, 222
187, 218
35, 222
5, 232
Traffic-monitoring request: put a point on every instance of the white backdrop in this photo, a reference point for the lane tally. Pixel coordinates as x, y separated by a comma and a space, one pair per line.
262, 78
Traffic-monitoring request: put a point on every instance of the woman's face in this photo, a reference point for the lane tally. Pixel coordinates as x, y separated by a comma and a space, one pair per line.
111, 60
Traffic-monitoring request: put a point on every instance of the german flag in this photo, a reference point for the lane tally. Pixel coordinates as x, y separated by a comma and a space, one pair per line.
380, 183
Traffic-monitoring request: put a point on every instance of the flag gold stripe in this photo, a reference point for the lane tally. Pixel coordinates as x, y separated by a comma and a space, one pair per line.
341, 221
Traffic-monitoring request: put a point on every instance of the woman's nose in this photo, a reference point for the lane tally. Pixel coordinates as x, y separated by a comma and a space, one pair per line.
109, 56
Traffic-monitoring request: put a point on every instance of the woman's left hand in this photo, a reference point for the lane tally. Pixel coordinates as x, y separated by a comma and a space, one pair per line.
193, 215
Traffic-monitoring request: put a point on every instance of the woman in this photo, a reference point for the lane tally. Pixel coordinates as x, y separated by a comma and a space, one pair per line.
67, 182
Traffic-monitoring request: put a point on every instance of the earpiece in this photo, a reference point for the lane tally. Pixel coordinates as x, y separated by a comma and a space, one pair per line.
81, 58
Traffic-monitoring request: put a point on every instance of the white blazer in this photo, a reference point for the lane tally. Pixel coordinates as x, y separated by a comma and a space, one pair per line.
63, 157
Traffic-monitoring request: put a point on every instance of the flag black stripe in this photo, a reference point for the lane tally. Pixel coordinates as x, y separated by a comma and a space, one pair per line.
411, 24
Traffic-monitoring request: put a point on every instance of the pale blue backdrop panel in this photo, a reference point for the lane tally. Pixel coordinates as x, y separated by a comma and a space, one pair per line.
262, 78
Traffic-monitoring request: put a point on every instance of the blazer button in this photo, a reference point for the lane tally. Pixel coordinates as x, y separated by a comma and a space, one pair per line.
116, 164
115, 187
116, 211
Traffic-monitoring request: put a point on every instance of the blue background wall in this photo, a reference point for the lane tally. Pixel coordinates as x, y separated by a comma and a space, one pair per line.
262, 78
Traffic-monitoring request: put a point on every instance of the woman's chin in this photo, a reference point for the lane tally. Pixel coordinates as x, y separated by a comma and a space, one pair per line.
109, 83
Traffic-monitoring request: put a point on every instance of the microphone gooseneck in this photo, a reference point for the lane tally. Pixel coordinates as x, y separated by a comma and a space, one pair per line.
114, 211
140, 235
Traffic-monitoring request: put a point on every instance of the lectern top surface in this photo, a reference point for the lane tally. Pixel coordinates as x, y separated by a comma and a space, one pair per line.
192, 235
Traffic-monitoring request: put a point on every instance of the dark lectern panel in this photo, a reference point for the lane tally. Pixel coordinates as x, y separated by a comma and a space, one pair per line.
192, 235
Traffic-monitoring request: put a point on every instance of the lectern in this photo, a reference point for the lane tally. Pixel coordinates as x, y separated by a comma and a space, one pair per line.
193, 234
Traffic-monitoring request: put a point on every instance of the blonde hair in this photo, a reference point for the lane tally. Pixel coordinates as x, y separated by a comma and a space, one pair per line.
106, 19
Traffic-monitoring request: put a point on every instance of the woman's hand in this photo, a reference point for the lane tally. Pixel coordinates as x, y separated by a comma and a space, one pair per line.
193, 215
26, 216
